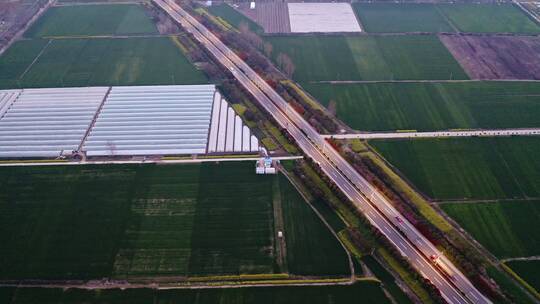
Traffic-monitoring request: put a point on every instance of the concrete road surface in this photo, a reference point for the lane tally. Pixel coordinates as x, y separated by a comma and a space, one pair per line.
438, 134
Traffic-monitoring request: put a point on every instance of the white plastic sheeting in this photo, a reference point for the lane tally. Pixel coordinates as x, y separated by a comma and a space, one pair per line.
228, 133
237, 134
7, 98
222, 129
152, 120
137, 120
46, 122
229, 143
322, 18
212, 140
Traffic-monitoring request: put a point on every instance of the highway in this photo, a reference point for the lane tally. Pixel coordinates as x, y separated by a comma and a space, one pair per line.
438, 134
453, 285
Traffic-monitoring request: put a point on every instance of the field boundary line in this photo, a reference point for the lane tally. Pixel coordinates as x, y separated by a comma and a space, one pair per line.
187, 160
438, 134
61, 3
320, 281
530, 258
112, 36
485, 201
279, 225
422, 81
447, 19
522, 282
35, 59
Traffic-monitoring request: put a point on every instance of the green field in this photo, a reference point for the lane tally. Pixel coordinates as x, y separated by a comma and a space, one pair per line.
401, 17
506, 228
96, 62
326, 58
468, 168
433, 106
16, 60
91, 20
489, 18
528, 270
361, 292
233, 17
311, 248
127, 222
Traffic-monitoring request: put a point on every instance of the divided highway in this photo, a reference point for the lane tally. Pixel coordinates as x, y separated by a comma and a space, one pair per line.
453, 285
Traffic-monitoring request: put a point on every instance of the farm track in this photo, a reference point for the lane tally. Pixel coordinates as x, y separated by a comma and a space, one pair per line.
109, 36
475, 201
16, 163
311, 281
60, 4
424, 81
531, 258
440, 134
279, 243
35, 59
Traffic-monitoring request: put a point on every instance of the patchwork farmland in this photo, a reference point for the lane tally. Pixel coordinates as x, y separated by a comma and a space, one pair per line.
349, 58
139, 227
94, 20
405, 77
439, 17
489, 187
76, 58
381, 17
154, 221
402, 17
97, 62
432, 106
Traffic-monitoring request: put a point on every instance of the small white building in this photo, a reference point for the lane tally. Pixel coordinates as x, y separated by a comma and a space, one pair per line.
265, 166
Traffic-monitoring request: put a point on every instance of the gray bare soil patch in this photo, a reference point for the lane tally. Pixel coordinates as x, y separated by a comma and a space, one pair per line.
272, 16
496, 57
